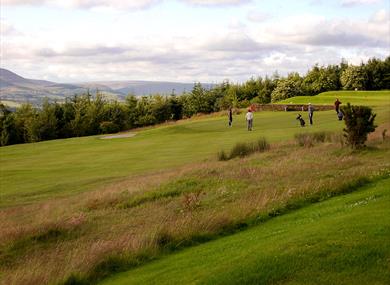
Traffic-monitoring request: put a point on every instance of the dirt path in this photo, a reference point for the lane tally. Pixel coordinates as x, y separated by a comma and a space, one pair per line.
119, 136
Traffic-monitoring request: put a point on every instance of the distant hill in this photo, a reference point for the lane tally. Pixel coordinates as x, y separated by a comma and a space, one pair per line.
19, 89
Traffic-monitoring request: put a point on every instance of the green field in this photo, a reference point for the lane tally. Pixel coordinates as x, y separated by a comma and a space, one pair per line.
345, 240
46, 169
81, 209
372, 98
11, 104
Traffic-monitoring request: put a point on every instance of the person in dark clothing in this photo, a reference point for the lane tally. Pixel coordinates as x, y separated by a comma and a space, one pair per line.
337, 104
311, 111
230, 115
340, 115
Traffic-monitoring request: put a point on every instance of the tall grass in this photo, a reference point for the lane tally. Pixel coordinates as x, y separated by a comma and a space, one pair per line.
310, 139
243, 149
134, 221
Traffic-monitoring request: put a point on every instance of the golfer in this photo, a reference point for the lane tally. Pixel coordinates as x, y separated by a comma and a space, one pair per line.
311, 111
249, 119
230, 116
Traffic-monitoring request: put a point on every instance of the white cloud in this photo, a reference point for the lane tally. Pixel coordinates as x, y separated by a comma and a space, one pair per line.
216, 2
382, 16
7, 29
85, 4
317, 31
258, 16
117, 4
152, 46
358, 2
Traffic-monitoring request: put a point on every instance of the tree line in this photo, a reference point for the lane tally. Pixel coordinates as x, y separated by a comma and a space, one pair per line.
83, 115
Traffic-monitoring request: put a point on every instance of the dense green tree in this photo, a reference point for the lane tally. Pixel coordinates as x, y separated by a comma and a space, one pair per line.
386, 76
201, 99
131, 109
354, 78
25, 117
287, 87
144, 111
45, 124
115, 113
176, 108
266, 87
321, 79
94, 114
10, 134
378, 74
161, 109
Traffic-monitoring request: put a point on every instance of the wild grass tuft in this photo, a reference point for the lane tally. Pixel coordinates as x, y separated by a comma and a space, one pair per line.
170, 190
191, 201
310, 139
222, 156
242, 149
40, 238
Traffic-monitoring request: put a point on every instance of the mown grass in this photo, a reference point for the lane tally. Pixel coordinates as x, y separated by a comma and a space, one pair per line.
372, 98
135, 221
161, 191
345, 240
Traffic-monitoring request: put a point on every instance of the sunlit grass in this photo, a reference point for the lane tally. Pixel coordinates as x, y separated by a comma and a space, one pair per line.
345, 240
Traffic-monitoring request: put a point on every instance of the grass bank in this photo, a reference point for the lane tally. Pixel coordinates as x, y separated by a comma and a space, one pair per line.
134, 221
345, 240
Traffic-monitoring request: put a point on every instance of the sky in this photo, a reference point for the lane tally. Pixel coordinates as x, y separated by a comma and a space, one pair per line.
187, 40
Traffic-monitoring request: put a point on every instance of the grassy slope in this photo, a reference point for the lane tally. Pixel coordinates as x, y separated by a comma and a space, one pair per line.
41, 170
47, 240
373, 98
345, 240
11, 104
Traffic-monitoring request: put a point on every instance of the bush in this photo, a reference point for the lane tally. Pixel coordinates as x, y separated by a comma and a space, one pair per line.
359, 121
222, 156
262, 145
109, 127
241, 150
244, 149
309, 139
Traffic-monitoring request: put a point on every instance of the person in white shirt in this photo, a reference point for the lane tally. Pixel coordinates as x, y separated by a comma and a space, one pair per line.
310, 108
249, 119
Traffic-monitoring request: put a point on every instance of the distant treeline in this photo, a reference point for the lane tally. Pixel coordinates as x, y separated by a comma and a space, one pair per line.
85, 115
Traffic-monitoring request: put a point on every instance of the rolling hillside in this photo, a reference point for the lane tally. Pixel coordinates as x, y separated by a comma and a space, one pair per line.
18, 89
75, 211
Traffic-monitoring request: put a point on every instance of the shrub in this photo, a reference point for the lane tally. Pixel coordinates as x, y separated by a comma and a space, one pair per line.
244, 149
222, 156
304, 140
359, 121
262, 145
309, 139
241, 150
109, 127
